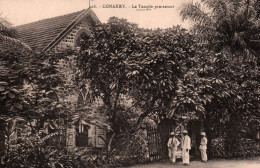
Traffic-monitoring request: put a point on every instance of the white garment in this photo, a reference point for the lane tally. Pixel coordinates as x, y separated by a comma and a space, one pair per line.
203, 143
204, 156
186, 146
203, 149
172, 144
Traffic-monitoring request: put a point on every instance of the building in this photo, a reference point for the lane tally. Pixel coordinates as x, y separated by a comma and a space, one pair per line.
60, 33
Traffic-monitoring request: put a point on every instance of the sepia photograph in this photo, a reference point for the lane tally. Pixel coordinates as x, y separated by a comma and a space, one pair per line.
129, 83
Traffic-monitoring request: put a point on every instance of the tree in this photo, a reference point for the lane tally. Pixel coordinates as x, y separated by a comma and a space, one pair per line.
228, 70
20, 105
156, 65
29, 85
8, 35
33, 93
103, 63
161, 59
120, 59
10, 82
225, 25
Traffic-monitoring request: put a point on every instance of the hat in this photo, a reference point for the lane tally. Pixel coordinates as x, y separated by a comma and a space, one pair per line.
203, 133
185, 132
172, 133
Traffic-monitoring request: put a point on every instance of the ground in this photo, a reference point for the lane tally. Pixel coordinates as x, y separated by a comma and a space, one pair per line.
246, 163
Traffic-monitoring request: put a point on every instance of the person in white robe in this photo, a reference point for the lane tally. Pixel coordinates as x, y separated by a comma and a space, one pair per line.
186, 146
203, 147
172, 144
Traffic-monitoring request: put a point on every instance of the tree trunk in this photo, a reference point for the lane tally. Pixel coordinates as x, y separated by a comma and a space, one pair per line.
110, 142
2, 139
233, 138
164, 132
209, 135
143, 115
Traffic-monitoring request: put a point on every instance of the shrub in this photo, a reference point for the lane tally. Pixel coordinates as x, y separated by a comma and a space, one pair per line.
135, 148
244, 148
33, 150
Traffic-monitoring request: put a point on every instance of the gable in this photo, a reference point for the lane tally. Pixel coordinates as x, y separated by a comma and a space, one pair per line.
45, 34
69, 39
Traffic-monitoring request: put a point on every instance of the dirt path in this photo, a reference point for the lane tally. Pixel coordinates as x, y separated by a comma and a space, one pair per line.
252, 163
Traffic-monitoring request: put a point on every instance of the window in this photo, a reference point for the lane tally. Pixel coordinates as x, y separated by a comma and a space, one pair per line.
81, 35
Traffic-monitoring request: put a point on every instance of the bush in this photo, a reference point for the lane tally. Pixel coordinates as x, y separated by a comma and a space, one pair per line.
244, 148
134, 148
34, 151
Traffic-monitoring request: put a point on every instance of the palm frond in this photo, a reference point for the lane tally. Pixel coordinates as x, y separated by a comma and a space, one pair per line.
239, 39
202, 39
6, 29
217, 7
194, 12
256, 5
203, 28
242, 12
8, 36
210, 3
12, 42
205, 34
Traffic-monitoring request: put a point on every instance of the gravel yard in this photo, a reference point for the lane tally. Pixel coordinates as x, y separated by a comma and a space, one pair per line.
246, 163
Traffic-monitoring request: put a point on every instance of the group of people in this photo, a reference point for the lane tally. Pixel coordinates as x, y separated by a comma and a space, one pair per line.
173, 144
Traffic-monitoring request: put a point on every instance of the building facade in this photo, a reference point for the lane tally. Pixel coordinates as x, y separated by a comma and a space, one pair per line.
62, 33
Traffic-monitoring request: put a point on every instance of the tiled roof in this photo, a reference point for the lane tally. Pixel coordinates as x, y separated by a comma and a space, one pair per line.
40, 33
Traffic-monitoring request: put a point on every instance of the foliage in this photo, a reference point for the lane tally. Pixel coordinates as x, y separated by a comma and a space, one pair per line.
212, 74
8, 36
32, 88
35, 150
225, 24
168, 73
225, 76
131, 149
91, 115
103, 64
136, 148
159, 60
120, 58
246, 148
30, 151
30, 83
29, 87
40, 83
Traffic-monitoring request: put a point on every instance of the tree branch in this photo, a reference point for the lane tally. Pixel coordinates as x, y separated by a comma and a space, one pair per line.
110, 142
142, 116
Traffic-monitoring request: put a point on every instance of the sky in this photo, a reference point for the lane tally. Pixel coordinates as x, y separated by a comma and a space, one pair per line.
25, 11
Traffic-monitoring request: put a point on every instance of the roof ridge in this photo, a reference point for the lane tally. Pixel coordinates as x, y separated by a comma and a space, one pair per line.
44, 34
66, 29
55, 17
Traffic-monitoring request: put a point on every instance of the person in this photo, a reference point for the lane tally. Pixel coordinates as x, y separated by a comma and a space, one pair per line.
186, 146
203, 147
172, 144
